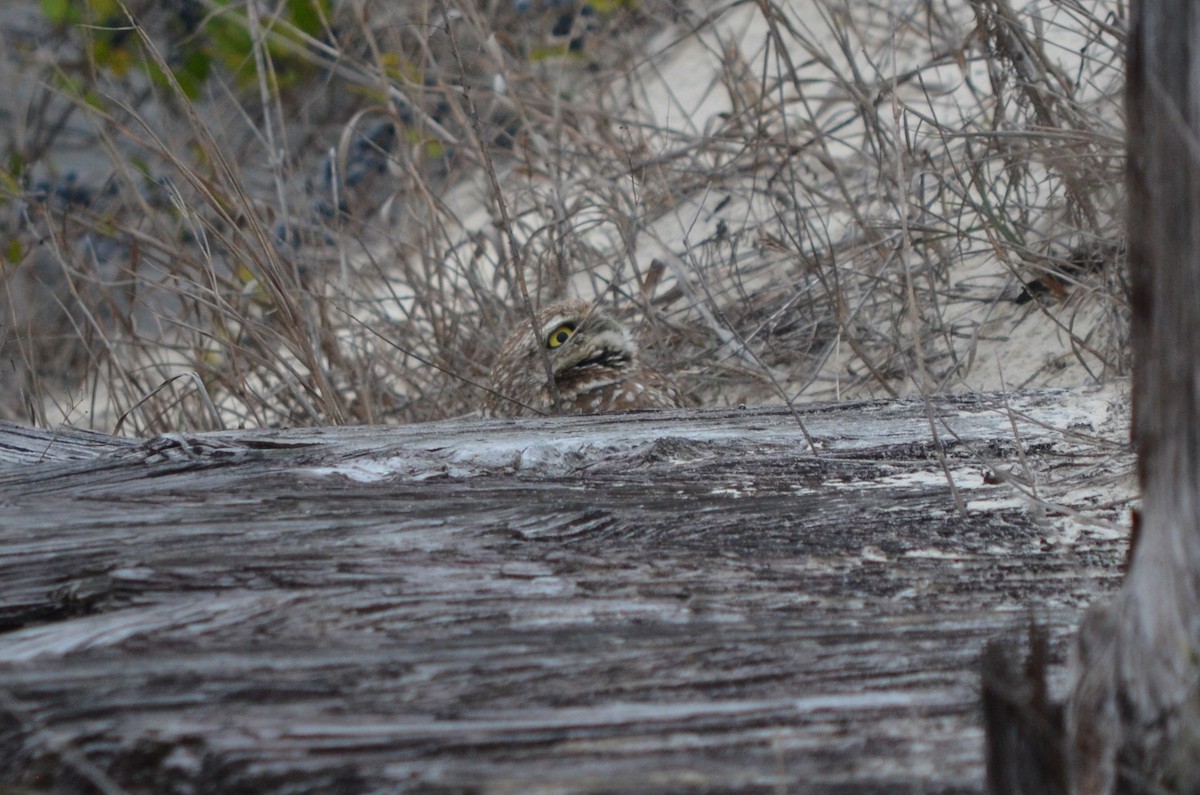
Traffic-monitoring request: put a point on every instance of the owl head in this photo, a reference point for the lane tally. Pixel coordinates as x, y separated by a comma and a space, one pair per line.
593, 359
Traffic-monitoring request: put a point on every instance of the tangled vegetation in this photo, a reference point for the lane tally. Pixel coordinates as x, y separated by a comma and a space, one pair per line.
223, 213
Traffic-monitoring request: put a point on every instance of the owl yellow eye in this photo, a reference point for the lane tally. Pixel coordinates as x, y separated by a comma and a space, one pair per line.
560, 335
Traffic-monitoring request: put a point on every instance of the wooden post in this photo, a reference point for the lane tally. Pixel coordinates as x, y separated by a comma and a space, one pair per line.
1133, 718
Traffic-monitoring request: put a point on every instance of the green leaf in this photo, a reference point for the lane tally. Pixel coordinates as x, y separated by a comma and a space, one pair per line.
607, 7
307, 15
194, 72
14, 251
105, 11
61, 12
9, 183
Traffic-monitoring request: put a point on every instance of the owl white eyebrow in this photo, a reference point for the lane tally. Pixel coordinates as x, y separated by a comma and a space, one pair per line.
555, 322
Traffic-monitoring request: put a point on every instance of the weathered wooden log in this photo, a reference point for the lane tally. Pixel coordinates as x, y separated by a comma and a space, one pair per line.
652, 602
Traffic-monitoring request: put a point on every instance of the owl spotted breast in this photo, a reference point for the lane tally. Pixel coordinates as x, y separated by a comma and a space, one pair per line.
594, 360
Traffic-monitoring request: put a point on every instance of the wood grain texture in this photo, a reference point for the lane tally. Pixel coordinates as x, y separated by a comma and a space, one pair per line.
652, 602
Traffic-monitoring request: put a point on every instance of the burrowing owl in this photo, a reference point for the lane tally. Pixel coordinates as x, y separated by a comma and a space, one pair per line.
595, 364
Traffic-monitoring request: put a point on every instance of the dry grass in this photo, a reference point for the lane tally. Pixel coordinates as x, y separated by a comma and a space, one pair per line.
788, 202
